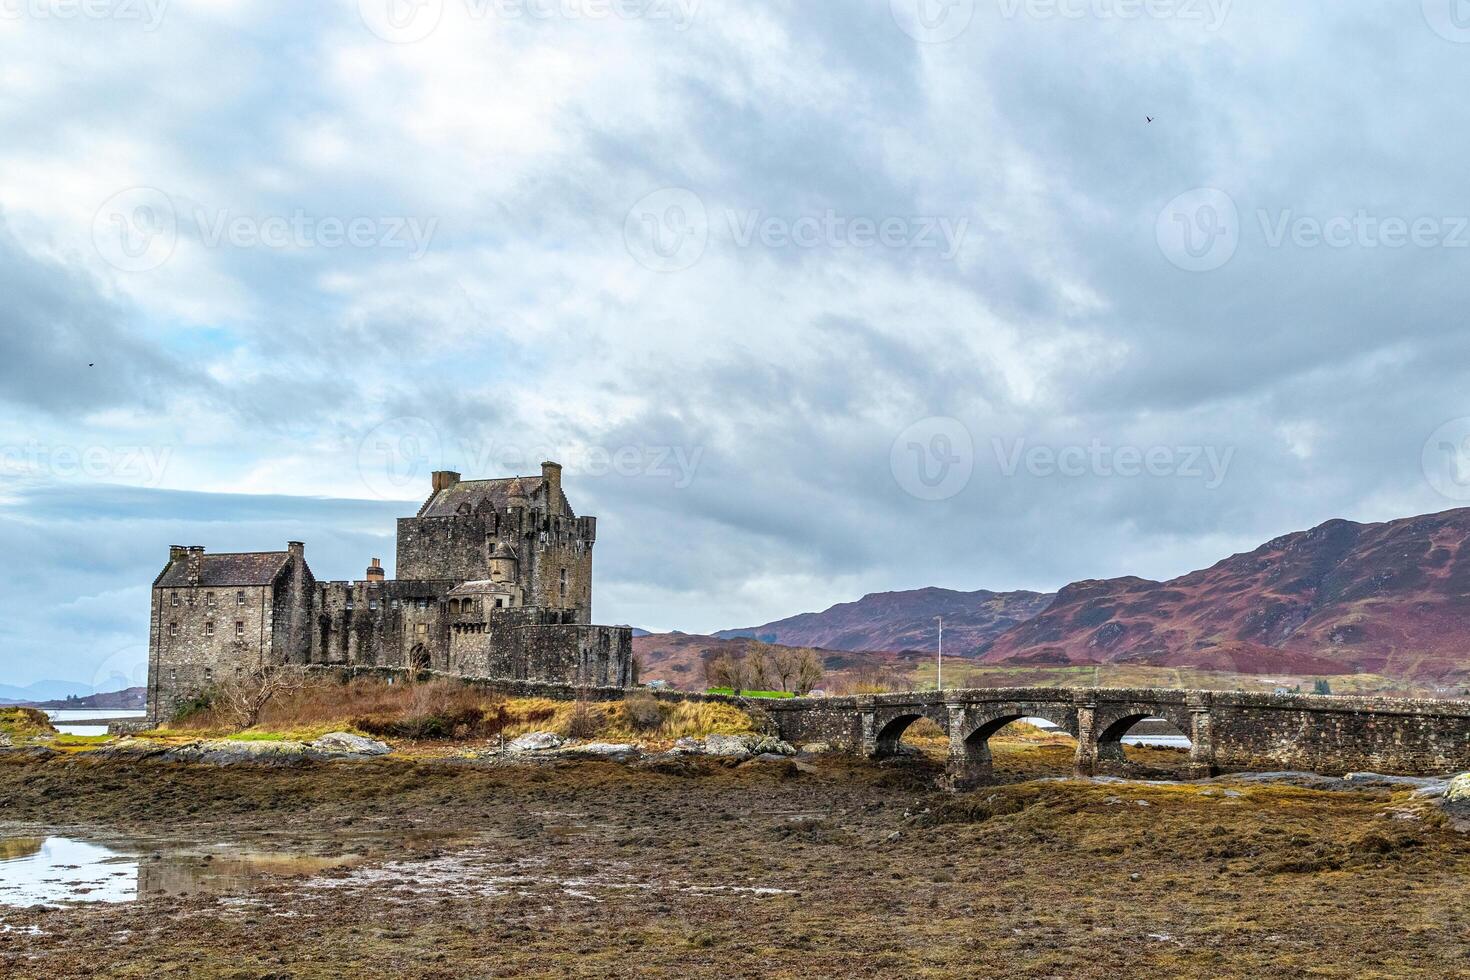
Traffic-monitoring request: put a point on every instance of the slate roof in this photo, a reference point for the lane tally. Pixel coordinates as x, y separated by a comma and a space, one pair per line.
225, 570
447, 502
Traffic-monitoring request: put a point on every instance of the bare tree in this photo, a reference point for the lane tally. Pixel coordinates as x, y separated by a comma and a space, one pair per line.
807, 670
759, 665
727, 670
243, 697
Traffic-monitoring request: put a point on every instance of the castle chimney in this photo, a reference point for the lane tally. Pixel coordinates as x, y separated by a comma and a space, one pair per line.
375, 571
196, 563
296, 549
176, 552
551, 473
444, 479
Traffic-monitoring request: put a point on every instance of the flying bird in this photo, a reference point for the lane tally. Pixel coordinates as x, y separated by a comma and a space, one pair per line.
1148, 119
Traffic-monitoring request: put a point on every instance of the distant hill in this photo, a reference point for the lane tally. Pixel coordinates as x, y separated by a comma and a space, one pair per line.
679, 658
41, 691
1391, 599
1343, 597
892, 621
132, 699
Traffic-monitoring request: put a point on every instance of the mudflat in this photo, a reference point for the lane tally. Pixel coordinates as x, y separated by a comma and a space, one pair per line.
821, 866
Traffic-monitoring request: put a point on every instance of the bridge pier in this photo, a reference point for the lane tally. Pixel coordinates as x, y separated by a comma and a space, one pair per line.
1085, 763
970, 762
1201, 738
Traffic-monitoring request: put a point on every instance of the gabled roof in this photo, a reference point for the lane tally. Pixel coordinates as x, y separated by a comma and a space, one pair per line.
467, 496
226, 570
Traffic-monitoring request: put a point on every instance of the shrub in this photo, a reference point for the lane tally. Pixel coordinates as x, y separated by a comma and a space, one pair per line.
585, 720
642, 712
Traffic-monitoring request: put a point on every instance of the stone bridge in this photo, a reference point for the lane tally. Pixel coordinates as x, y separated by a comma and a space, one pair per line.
1228, 732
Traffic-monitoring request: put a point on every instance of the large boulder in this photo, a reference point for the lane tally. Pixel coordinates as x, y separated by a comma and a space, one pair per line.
346, 744
229, 752
1458, 790
5, 741
688, 746
609, 749
536, 742
770, 745
730, 746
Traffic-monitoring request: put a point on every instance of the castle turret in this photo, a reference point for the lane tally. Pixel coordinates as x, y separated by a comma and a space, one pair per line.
505, 564
551, 473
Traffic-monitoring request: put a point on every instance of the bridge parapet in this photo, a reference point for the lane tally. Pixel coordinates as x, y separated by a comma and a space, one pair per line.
1228, 731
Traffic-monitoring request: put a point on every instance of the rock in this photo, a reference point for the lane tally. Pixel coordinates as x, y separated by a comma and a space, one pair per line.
770, 745
229, 752
731, 746
347, 744
1458, 790
605, 749
688, 746
816, 748
536, 742
5, 741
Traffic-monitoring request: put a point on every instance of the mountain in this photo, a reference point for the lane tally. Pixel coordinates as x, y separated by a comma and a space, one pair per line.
679, 658
42, 691
1390, 598
905, 621
132, 699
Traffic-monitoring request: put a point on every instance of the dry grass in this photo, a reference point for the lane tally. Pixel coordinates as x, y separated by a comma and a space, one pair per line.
445, 709
25, 723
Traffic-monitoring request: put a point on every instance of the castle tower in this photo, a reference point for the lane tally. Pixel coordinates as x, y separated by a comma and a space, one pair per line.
505, 564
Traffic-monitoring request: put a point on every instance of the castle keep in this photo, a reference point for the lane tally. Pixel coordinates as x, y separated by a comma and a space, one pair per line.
494, 581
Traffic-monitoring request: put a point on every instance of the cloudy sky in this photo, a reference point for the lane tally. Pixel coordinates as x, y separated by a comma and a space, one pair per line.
813, 299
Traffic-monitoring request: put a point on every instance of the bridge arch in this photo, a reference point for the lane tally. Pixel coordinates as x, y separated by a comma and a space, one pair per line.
971, 762
889, 726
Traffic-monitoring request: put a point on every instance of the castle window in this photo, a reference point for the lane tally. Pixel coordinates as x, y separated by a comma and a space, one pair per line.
209, 628
240, 598
372, 603
563, 583
173, 599
173, 675
209, 599
423, 603
423, 629
208, 675
239, 628
173, 629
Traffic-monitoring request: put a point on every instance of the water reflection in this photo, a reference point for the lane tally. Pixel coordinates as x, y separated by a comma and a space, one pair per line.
55, 870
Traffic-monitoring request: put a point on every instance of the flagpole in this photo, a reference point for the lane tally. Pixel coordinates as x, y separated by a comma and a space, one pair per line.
939, 683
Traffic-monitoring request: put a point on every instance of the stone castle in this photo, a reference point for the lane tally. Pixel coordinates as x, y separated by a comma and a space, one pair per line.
494, 581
